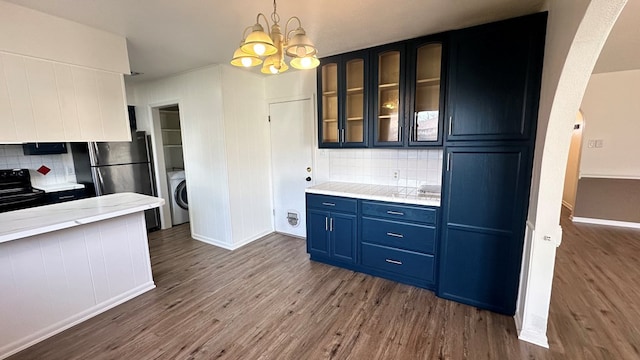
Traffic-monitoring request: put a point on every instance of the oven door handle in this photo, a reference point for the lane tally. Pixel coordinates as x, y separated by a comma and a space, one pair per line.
21, 201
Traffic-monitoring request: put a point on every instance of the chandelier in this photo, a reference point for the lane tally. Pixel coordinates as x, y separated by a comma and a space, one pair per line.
273, 46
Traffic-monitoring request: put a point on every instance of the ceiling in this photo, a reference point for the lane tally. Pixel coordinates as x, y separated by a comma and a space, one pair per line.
165, 37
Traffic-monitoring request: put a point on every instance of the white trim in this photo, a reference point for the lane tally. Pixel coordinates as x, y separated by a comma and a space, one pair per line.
291, 235
517, 318
605, 222
228, 246
213, 242
603, 176
567, 205
252, 239
534, 338
71, 321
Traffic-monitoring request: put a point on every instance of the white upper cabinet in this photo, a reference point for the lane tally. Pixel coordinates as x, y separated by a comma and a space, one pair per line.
60, 80
45, 101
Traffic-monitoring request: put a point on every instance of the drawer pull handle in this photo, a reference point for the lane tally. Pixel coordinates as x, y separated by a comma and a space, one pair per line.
393, 261
395, 235
328, 204
66, 197
390, 212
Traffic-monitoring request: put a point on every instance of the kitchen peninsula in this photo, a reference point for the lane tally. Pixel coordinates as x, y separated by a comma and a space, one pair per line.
61, 264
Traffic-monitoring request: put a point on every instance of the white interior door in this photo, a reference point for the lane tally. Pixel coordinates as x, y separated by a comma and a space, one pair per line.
291, 156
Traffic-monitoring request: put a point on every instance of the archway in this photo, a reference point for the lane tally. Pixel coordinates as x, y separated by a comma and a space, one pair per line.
576, 33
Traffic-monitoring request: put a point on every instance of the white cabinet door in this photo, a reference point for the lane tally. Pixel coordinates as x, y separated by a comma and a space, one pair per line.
44, 101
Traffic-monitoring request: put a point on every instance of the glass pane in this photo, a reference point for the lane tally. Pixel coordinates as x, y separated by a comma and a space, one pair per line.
355, 101
330, 103
388, 96
427, 101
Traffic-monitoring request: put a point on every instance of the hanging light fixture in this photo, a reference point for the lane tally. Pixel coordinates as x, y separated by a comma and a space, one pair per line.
274, 45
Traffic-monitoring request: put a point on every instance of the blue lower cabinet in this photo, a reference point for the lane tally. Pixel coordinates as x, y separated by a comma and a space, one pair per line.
342, 237
389, 240
331, 235
403, 235
317, 232
398, 262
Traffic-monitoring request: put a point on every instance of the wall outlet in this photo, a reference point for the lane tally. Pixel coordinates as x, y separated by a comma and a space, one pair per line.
591, 144
395, 174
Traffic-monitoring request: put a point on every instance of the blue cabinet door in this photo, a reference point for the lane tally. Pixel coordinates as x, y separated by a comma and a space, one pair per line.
343, 237
485, 206
318, 232
494, 80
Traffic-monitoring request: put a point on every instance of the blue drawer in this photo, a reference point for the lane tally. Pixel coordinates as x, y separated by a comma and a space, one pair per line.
332, 203
402, 235
396, 261
393, 211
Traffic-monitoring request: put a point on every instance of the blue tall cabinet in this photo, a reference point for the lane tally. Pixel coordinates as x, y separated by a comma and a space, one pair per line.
492, 107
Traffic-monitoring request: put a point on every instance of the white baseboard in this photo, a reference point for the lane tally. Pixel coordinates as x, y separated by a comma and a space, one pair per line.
291, 235
518, 320
528, 335
228, 246
71, 321
252, 239
593, 221
213, 242
534, 338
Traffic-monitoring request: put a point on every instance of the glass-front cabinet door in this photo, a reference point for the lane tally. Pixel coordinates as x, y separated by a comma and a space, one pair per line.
328, 129
425, 115
343, 89
387, 105
354, 125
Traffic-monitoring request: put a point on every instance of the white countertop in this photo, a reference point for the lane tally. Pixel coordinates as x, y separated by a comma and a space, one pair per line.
398, 194
49, 188
19, 224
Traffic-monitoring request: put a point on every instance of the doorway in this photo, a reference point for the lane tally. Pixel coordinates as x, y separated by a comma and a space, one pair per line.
292, 146
572, 172
174, 163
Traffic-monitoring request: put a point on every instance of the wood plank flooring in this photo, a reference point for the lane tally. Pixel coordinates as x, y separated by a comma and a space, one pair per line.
267, 300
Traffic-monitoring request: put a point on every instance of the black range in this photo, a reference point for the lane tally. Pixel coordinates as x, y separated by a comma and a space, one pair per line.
16, 191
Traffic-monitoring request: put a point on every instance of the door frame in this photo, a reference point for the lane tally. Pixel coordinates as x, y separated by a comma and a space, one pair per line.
314, 143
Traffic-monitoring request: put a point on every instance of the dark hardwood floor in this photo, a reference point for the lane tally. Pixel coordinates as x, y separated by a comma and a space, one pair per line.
268, 301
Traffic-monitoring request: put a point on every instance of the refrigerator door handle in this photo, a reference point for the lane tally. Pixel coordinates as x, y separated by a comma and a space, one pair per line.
94, 153
98, 180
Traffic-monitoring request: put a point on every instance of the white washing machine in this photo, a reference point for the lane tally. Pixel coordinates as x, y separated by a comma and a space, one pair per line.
178, 197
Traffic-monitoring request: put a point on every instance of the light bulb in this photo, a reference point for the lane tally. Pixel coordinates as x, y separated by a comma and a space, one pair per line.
305, 62
273, 69
246, 62
259, 49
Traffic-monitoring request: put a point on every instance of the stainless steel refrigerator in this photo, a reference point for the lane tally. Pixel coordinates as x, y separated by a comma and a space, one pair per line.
116, 167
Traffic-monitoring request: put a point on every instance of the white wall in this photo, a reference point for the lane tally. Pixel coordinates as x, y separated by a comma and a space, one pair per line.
612, 107
225, 146
248, 154
199, 95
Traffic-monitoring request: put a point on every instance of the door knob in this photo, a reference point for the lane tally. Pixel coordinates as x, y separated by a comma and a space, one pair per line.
308, 178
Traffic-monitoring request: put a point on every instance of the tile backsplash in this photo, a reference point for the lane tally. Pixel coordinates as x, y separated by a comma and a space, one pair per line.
61, 165
379, 166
